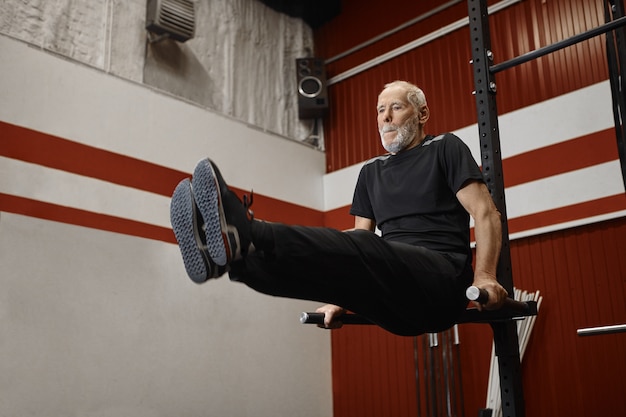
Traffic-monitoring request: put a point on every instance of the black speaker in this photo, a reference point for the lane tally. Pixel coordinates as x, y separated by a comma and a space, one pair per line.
312, 91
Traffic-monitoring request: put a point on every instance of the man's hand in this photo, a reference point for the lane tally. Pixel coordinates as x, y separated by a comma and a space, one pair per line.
489, 283
331, 312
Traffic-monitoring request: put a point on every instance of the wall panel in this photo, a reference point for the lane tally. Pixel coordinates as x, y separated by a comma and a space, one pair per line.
442, 69
581, 274
361, 21
98, 315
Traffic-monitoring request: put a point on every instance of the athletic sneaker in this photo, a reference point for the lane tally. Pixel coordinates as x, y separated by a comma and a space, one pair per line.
187, 224
226, 218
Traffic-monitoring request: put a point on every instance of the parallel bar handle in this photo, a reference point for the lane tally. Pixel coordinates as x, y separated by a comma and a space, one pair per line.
591, 331
512, 309
482, 296
318, 318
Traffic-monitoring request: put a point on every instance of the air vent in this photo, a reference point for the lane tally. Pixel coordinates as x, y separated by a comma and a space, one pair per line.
171, 18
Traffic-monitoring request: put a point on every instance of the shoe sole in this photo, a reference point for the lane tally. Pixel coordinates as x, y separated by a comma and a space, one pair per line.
185, 224
209, 201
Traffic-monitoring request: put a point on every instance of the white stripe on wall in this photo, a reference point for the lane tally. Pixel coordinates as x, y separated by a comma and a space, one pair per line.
592, 183
553, 121
84, 193
566, 225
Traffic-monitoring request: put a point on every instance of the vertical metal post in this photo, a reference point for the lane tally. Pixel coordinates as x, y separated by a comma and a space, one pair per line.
616, 56
505, 333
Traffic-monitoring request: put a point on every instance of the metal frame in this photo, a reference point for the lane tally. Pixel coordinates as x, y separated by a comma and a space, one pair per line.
616, 56
505, 333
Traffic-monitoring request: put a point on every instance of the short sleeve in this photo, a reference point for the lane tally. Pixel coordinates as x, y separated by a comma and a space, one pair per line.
361, 201
459, 163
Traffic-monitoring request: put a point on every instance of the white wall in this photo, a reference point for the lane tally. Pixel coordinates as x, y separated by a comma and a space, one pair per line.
241, 61
96, 323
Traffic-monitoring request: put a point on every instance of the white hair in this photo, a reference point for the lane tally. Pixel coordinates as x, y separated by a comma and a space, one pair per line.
414, 94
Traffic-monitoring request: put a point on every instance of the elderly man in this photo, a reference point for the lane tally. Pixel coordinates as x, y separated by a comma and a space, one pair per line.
410, 280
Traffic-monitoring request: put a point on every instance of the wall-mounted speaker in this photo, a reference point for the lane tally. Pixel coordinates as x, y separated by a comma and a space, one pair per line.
312, 91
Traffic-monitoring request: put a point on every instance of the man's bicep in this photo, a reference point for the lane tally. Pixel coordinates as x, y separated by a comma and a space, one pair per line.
475, 198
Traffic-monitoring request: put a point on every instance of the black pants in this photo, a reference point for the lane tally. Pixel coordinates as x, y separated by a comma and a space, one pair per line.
407, 290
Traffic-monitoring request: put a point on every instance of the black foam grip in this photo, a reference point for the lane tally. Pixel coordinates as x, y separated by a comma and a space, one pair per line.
318, 318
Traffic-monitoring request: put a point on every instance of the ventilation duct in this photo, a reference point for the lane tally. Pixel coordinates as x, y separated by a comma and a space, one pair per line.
175, 19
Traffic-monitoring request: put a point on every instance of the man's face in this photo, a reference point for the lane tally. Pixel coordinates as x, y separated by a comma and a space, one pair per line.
398, 122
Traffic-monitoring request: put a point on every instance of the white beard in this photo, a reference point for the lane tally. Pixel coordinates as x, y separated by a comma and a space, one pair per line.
404, 136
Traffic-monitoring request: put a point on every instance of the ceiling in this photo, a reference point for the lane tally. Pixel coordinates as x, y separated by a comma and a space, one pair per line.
314, 12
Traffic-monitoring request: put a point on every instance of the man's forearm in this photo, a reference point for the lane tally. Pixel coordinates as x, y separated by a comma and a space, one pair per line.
488, 234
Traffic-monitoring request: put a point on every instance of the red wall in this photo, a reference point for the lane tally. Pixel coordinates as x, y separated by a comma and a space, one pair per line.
442, 67
579, 271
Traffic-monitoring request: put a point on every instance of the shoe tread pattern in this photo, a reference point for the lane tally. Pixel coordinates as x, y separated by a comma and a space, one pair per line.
208, 199
182, 218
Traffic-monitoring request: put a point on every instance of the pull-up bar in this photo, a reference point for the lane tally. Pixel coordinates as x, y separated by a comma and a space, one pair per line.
537, 53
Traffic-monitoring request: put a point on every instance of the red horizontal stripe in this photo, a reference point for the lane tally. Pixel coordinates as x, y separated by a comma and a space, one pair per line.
568, 213
43, 149
39, 148
69, 215
47, 150
578, 153
339, 218
270, 210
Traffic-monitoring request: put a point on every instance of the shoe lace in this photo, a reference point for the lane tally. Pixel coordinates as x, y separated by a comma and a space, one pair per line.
247, 202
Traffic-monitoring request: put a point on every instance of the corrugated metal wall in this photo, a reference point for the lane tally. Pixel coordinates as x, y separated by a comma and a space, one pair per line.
582, 276
442, 68
580, 271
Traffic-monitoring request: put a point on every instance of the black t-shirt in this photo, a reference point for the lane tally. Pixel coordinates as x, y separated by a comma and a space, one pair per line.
412, 195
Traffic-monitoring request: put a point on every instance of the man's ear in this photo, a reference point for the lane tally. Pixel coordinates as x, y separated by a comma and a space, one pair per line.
424, 114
